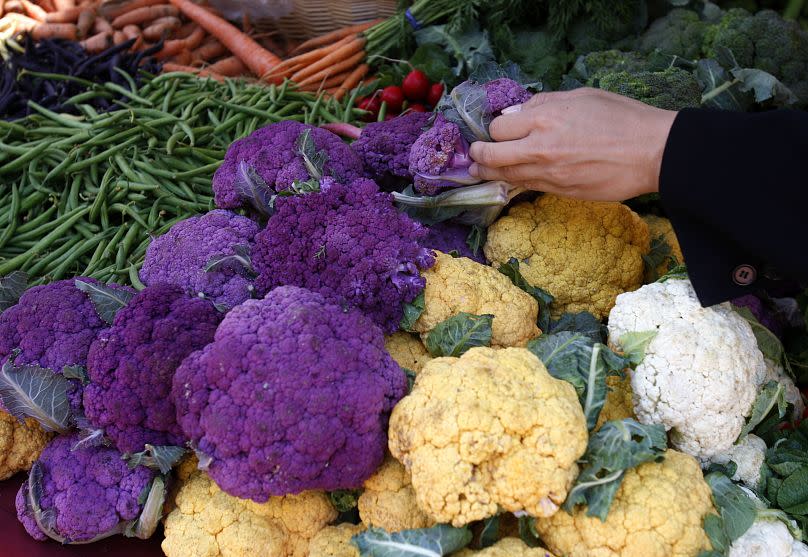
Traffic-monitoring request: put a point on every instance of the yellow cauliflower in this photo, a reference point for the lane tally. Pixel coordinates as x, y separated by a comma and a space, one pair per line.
506, 547
206, 522
660, 226
335, 541
488, 431
20, 444
407, 350
584, 253
458, 284
657, 512
389, 500
618, 400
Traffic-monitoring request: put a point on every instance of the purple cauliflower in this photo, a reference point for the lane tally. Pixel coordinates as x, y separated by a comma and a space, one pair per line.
84, 494
504, 92
270, 160
293, 394
350, 244
131, 365
448, 236
207, 255
439, 158
385, 146
765, 316
52, 326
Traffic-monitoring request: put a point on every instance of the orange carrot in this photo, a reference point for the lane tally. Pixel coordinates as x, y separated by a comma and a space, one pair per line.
346, 65
70, 15
175, 46
85, 22
96, 43
33, 10
209, 51
61, 5
346, 51
352, 80
334, 36
142, 15
169, 67
101, 25
133, 32
183, 58
115, 9
118, 37
316, 54
329, 82
230, 67
54, 31
257, 58
185, 30
160, 28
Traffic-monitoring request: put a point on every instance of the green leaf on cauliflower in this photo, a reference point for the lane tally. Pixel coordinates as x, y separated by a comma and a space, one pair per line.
30, 391
660, 254
527, 531
772, 394
489, 533
412, 311
714, 528
107, 300
436, 541
582, 322
344, 500
617, 446
157, 457
634, 345
544, 298
736, 509
792, 495
457, 334
11, 288
767, 341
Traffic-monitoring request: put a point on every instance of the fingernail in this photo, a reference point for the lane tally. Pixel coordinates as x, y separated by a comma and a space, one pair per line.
511, 109
473, 170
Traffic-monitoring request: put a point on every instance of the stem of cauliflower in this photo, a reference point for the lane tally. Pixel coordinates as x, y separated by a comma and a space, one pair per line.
488, 194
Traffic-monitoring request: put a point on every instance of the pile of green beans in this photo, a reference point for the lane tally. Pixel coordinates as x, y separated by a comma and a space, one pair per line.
83, 195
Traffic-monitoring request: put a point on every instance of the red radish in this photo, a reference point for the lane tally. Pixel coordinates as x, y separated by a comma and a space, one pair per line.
415, 86
417, 107
394, 97
435, 93
389, 117
784, 426
372, 105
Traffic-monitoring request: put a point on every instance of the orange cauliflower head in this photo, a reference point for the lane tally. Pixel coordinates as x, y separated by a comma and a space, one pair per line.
388, 500
584, 253
407, 350
20, 444
488, 431
335, 541
506, 547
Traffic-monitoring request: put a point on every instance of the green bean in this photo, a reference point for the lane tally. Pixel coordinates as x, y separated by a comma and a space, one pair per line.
75, 167
126, 209
23, 159
134, 279
63, 119
40, 265
16, 202
102, 193
73, 196
59, 169
75, 255
36, 221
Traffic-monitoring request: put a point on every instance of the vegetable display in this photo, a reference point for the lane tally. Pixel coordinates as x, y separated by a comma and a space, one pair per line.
262, 302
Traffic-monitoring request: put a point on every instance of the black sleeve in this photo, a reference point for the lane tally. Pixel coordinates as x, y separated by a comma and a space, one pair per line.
734, 186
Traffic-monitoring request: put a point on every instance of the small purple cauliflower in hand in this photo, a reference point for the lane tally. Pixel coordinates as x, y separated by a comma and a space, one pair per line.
52, 326
293, 394
131, 366
350, 244
207, 255
439, 158
447, 237
81, 495
385, 146
270, 159
767, 317
504, 92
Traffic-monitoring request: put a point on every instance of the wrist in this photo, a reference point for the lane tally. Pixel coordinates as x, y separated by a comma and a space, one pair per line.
655, 139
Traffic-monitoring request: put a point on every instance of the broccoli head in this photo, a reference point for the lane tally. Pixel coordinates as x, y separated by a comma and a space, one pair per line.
604, 62
206, 255
132, 363
670, 89
680, 32
438, 156
52, 326
293, 394
81, 494
350, 244
272, 159
385, 146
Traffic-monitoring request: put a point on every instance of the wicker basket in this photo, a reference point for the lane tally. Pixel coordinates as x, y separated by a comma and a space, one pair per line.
310, 18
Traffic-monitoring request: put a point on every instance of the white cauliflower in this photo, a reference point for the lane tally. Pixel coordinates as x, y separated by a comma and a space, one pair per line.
767, 538
775, 372
701, 372
749, 455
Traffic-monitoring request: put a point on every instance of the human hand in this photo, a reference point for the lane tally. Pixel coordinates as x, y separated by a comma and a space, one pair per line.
584, 143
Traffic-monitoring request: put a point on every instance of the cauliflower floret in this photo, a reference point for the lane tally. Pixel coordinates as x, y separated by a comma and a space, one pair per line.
506, 547
749, 455
335, 541
407, 350
458, 284
618, 404
657, 512
488, 431
660, 226
584, 253
767, 538
701, 372
20, 444
389, 500
775, 372
206, 522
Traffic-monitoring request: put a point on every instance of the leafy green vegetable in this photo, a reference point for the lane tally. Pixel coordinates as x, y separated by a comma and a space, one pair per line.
736, 509
659, 255
239, 262
582, 322
583, 363
412, 311
11, 288
437, 541
454, 336
767, 341
679, 272
344, 500
433, 60
30, 391
476, 238
468, 49
313, 159
489, 533
544, 298
76, 372
107, 300
634, 345
527, 531
616, 447
158, 457
772, 394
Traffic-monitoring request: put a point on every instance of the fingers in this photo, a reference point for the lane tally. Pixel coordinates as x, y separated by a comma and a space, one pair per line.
505, 153
516, 173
